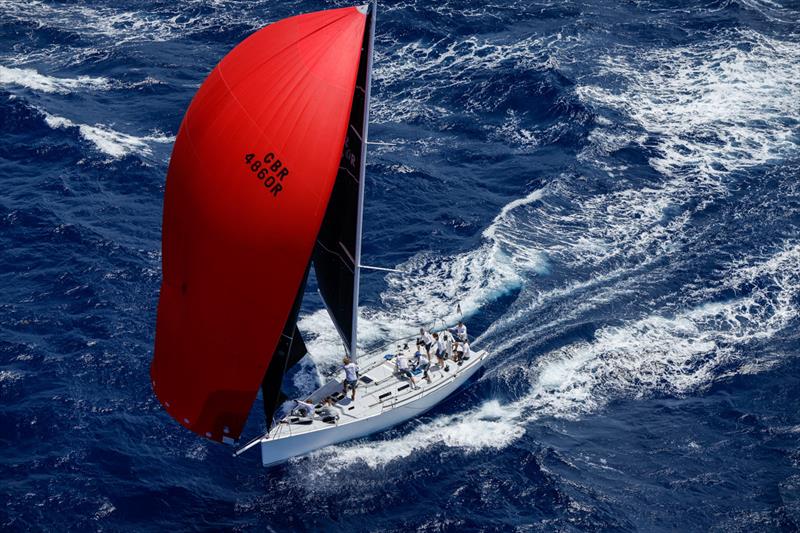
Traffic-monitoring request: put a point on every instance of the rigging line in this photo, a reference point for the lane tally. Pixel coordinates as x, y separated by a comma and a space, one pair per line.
384, 269
347, 252
356, 133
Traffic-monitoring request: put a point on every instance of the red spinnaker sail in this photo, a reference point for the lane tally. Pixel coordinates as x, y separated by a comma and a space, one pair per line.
251, 173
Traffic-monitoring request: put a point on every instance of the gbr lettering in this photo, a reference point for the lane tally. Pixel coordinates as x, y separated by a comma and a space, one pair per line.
269, 169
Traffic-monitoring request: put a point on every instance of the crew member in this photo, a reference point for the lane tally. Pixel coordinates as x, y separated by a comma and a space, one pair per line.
441, 349
305, 407
350, 376
466, 354
460, 331
424, 364
426, 339
327, 414
448, 342
401, 361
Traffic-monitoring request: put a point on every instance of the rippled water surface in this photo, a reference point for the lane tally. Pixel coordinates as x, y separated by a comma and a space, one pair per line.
609, 189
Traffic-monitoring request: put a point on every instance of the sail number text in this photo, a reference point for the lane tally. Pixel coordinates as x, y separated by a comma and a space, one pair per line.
269, 169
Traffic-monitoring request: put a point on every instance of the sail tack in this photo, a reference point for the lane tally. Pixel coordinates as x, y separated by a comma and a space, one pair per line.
249, 182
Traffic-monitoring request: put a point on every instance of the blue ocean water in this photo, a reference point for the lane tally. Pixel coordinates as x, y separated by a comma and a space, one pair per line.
608, 189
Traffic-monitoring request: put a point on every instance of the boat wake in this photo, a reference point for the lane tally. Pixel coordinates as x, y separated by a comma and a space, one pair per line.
656, 356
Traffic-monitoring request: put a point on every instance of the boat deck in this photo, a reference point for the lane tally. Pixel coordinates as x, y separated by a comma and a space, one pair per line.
380, 388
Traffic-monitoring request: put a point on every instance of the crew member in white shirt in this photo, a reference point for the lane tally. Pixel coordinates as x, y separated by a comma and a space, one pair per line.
427, 340
448, 342
423, 363
350, 376
461, 331
440, 348
401, 361
306, 407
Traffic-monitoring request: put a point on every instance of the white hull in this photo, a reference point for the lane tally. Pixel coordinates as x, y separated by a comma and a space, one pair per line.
286, 441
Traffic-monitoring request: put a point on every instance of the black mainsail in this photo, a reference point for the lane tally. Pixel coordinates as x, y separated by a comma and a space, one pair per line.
337, 255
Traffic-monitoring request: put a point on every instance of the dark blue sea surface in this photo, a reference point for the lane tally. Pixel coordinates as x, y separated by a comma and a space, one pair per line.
609, 189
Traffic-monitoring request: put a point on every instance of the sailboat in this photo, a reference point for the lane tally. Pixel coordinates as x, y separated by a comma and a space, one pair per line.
266, 180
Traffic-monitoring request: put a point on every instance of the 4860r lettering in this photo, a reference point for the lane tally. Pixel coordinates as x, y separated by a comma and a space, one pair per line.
269, 169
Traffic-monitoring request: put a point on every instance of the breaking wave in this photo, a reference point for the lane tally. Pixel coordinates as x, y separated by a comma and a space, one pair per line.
108, 141
709, 108
32, 79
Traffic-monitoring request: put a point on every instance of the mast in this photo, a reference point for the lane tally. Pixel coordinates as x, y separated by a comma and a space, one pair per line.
362, 175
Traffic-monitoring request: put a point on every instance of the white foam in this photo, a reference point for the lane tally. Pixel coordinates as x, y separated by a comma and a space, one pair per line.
111, 142
670, 355
119, 27
198, 452
512, 131
410, 76
105, 509
720, 105
10, 376
30, 78
486, 427
709, 109
401, 169
306, 375
680, 353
